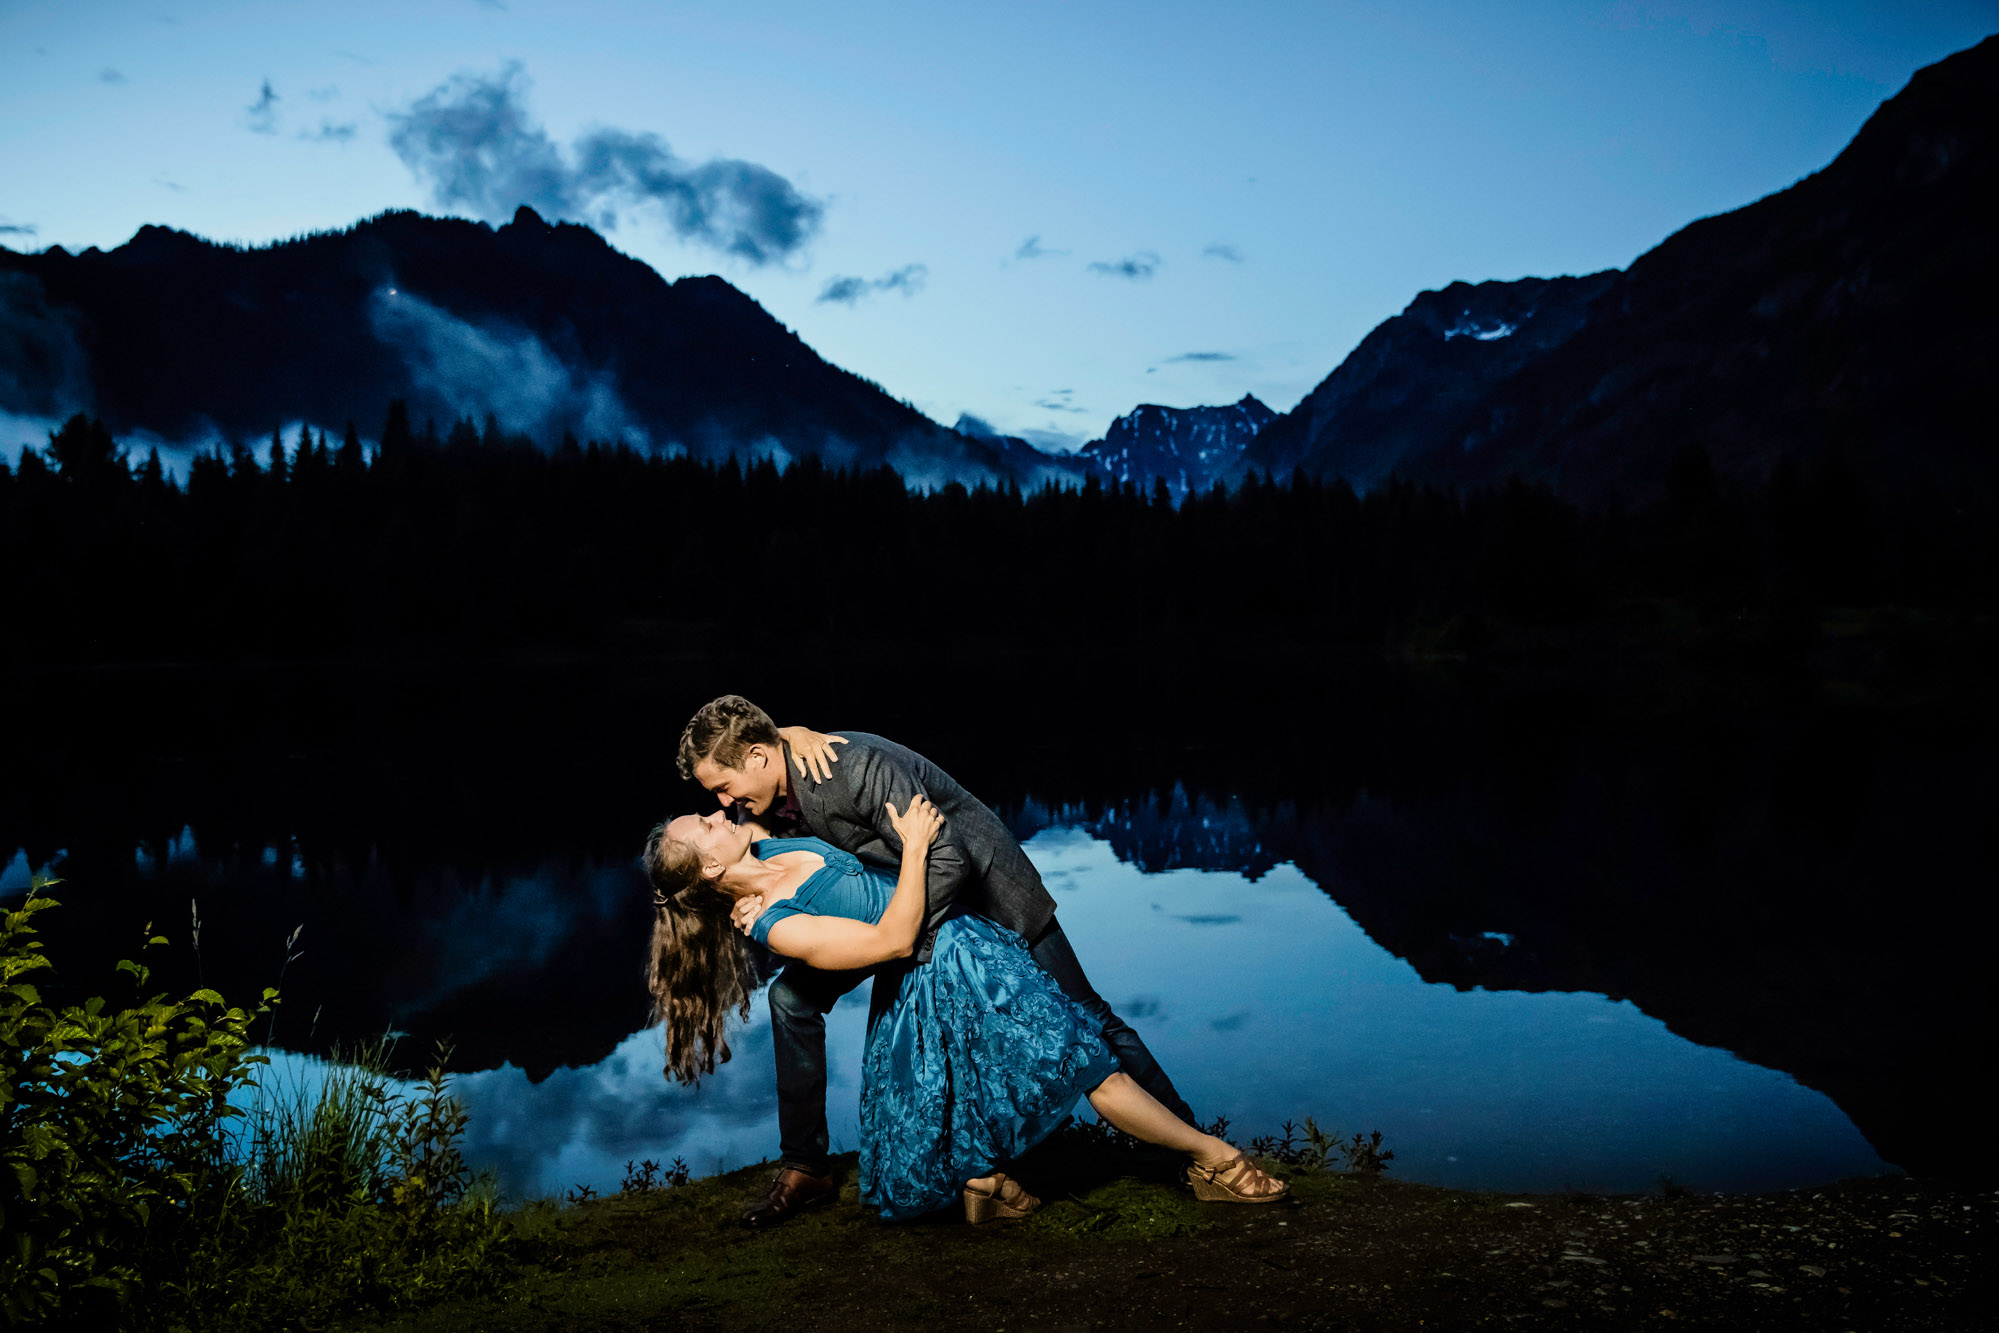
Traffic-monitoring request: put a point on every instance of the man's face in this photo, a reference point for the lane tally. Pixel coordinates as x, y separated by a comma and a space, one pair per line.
754, 784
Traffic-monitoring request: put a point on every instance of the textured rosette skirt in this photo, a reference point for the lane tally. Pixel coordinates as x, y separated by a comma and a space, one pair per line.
971, 1059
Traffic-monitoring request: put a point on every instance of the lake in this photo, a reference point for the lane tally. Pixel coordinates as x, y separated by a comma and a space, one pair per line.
1542, 939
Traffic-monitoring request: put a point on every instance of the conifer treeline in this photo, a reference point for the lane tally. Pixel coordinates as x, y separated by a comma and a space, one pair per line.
480, 541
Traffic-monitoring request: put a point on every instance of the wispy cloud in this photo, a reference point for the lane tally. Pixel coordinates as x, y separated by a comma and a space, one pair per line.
17, 228
909, 280
44, 370
331, 132
1032, 248
165, 183
1053, 441
1136, 267
1220, 251
1200, 356
473, 368
325, 94
473, 143
262, 114
1057, 405
109, 75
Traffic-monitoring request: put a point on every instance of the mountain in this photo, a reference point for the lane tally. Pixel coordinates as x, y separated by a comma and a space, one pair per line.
1415, 377
547, 327
1850, 314
1018, 458
1189, 447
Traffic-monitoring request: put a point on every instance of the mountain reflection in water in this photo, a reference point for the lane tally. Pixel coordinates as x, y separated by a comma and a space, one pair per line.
1266, 1002
1516, 929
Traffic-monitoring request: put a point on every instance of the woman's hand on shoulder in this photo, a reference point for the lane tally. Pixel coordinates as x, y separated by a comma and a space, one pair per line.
918, 824
746, 911
812, 751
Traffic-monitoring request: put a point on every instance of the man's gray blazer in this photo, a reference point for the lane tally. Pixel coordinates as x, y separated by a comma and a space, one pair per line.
975, 863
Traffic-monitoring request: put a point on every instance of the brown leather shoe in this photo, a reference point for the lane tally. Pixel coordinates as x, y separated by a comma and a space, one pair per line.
793, 1191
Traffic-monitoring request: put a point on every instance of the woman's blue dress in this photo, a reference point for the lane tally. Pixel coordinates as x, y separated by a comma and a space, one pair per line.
972, 1059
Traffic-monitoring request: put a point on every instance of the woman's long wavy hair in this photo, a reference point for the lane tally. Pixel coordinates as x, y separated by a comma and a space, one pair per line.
697, 969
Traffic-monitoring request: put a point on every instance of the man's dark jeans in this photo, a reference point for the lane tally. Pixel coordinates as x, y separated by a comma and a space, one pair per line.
802, 996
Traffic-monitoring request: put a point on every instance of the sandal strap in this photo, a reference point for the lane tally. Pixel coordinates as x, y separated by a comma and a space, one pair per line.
1240, 1172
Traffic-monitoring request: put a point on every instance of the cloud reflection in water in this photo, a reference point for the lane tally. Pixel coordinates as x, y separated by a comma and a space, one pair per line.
1265, 1002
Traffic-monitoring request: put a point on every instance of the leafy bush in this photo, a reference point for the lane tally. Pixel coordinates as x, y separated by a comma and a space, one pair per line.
111, 1132
134, 1194
1363, 1155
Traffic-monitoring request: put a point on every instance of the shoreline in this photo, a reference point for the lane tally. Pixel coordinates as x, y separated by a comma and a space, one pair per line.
1135, 1251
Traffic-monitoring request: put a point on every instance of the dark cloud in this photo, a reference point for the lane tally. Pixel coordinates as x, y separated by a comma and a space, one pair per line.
262, 114
330, 132
909, 280
1136, 267
1031, 248
108, 75
1200, 356
1057, 405
17, 228
1220, 251
472, 142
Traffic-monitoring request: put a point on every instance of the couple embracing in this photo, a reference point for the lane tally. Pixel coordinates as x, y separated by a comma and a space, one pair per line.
983, 1030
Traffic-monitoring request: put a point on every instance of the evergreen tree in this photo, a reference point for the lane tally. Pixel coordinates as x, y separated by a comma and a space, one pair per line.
351, 458
152, 477
84, 452
396, 438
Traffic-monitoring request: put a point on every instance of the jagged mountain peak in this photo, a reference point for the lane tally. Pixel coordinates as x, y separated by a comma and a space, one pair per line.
1189, 448
1845, 314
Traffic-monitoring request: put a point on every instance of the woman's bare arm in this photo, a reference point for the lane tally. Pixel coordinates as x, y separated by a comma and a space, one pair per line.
838, 944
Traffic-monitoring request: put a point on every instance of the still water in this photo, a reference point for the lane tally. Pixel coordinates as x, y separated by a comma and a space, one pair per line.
1542, 940
1265, 1002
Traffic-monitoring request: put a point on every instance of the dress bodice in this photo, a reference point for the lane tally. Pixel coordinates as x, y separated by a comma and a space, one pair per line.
842, 887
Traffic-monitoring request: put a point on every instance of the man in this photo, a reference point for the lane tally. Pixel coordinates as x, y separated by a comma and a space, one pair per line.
733, 749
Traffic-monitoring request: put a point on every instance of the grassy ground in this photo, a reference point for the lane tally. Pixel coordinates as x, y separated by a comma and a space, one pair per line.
1137, 1252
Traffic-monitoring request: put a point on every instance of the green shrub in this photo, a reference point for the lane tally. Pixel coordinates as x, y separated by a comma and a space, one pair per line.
134, 1194
112, 1140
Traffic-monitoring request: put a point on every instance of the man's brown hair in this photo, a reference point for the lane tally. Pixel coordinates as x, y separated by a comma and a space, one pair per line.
723, 730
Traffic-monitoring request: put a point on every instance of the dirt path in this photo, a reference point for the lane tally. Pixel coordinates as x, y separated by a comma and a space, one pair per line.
1344, 1252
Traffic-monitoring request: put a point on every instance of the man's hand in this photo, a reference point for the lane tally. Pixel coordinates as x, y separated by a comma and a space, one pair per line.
746, 911
812, 751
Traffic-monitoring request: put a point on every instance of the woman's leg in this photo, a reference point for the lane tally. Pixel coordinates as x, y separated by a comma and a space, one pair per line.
1124, 1104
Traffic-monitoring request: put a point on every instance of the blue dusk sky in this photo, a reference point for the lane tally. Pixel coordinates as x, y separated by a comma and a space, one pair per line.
1041, 214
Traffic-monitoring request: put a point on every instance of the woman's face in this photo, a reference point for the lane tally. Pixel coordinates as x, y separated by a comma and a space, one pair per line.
713, 836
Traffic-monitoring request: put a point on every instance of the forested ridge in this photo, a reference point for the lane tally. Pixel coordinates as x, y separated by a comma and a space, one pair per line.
478, 541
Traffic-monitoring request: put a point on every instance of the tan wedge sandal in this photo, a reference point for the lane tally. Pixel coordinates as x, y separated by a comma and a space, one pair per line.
1223, 1184
1005, 1202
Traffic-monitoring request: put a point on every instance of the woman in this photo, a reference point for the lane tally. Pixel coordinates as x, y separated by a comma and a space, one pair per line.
971, 1058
